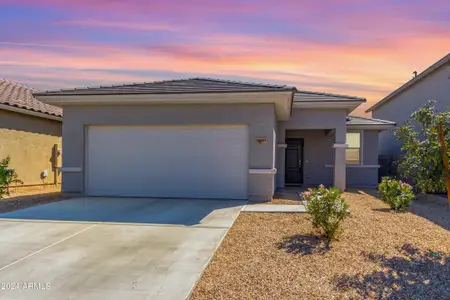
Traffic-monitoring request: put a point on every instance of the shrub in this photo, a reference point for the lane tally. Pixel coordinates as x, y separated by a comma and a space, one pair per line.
7, 177
396, 193
419, 137
327, 208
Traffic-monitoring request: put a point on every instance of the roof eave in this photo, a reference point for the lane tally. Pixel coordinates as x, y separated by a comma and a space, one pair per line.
348, 105
281, 99
379, 127
30, 112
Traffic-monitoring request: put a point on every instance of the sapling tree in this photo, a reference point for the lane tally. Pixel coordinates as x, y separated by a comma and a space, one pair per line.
7, 177
423, 159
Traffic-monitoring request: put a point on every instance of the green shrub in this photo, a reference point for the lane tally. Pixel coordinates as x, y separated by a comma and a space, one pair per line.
7, 176
396, 193
327, 208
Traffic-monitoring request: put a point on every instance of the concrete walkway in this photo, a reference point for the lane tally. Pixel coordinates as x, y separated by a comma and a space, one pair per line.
286, 208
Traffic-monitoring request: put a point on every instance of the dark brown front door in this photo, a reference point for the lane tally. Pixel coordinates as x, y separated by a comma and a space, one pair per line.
294, 162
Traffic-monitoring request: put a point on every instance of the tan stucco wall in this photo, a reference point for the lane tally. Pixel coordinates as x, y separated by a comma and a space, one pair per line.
29, 141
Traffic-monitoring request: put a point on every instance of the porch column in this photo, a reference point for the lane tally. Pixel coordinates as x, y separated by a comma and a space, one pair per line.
340, 169
280, 152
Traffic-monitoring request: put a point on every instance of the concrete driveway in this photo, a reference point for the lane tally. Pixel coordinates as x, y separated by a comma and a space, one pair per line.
110, 248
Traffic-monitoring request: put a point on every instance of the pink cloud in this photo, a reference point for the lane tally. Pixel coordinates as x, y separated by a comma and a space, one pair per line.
123, 25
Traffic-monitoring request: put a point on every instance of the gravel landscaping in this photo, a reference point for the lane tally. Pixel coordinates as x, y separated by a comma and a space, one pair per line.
380, 254
30, 196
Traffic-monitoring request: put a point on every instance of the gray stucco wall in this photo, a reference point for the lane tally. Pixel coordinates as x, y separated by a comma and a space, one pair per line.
434, 87
365, 176
259, 117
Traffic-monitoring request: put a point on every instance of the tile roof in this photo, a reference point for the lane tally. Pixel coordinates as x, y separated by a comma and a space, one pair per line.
308, 96
442, 62
17, 95
190, 85
355, 120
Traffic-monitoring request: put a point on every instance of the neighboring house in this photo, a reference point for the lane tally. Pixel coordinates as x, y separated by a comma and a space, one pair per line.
29, 131
431, 84
208, 138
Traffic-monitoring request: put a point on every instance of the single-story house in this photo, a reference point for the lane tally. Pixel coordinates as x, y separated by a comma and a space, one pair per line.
209, 138
431, 84
30, 132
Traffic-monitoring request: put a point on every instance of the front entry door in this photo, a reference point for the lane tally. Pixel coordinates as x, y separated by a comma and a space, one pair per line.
294, 162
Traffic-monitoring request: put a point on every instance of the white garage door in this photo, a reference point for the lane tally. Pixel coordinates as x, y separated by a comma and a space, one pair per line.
168, 161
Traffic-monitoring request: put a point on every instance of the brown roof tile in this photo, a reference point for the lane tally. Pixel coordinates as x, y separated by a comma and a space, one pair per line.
17, 95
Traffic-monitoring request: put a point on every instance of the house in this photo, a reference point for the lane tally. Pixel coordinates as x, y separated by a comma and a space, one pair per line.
29, 133
209, 138
431, 84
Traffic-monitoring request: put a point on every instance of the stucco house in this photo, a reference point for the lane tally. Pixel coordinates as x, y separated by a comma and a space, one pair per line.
210, 138
431, 84
29, 133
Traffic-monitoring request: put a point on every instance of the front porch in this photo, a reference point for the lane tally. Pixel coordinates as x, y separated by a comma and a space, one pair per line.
309, 157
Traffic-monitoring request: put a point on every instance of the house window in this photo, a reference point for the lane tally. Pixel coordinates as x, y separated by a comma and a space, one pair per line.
353, 152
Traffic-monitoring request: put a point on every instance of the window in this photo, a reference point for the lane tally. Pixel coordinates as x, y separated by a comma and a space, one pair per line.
353, 152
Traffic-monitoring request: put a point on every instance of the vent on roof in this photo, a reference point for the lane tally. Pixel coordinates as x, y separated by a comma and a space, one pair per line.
415, 74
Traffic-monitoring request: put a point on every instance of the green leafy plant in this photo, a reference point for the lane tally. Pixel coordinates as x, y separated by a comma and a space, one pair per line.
396, 193
327, 208
7, 177
419, 137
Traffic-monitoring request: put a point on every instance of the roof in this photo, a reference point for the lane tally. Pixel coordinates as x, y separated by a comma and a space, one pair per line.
308, 96
19, 96
179, 86
442, 62
362, 121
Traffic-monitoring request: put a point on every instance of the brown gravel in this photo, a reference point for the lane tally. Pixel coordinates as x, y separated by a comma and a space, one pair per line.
24, 197
288, 196
380, 254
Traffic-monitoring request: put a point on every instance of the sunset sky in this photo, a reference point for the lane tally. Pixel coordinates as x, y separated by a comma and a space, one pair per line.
355, 47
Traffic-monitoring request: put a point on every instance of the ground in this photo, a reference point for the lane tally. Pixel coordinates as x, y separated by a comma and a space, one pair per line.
110, 248
23, 197
380, 254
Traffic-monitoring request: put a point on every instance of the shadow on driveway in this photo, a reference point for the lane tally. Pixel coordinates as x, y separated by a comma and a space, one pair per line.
215, 213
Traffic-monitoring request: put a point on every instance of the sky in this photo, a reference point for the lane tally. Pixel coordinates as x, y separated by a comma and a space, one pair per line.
353, 47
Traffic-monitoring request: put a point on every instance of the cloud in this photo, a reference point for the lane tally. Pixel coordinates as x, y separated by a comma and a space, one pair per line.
363, 48
119, 24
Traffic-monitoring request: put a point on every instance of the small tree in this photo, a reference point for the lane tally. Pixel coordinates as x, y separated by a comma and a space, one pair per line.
7, 177
423, 152
327, 208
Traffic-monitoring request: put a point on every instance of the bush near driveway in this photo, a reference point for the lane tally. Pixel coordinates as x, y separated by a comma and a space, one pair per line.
7, 176
327, 208
396, 193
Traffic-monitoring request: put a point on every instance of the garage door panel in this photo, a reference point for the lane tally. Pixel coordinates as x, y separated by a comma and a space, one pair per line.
149, 161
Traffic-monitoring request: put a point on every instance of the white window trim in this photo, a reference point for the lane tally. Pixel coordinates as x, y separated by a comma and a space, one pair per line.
361, 147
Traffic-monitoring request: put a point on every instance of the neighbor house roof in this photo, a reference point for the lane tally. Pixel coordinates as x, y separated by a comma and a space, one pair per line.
180, 86
442, 62
308, 96
362, 122
17, 97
